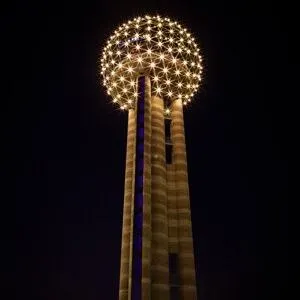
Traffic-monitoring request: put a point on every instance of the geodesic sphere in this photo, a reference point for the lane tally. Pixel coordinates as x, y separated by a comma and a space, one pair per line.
154, 46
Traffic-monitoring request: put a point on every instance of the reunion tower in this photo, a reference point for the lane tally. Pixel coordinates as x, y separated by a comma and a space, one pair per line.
151, 66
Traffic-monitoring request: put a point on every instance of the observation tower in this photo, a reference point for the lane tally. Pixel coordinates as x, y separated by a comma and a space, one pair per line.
151, 67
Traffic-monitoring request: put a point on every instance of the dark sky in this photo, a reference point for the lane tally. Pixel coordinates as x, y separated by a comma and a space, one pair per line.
68, 144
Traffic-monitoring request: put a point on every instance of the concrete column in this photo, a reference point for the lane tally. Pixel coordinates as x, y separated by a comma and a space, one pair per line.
146, 252
146, 231
186, 251
127, 215
172, 209
160, 256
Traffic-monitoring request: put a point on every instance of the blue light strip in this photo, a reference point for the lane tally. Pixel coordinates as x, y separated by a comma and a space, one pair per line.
136, 292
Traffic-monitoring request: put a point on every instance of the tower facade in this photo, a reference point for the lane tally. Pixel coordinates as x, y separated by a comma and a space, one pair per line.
148, 75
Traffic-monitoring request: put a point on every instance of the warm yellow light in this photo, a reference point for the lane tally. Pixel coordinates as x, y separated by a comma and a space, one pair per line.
156, 46
152, 65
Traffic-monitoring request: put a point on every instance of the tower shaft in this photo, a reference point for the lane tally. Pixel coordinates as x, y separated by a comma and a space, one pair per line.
157, 257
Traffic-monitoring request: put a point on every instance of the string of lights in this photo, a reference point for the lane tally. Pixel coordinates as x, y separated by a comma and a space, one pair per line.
154, 46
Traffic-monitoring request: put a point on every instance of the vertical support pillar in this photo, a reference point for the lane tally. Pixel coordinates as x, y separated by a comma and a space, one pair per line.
146, 272
128, 198
159, 259
186, 252
139, 282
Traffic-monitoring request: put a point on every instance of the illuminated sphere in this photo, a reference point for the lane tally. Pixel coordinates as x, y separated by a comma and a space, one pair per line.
153, 46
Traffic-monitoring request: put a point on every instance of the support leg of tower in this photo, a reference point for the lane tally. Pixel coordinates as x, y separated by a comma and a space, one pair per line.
127, 216
186, 252
159, 263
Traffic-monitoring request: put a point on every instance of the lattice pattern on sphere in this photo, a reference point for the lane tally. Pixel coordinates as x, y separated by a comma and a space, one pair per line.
158, 47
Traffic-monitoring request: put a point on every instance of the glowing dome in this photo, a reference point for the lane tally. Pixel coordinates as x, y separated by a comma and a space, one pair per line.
154, 46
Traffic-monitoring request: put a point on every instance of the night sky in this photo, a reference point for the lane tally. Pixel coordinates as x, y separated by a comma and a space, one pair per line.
68, 145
